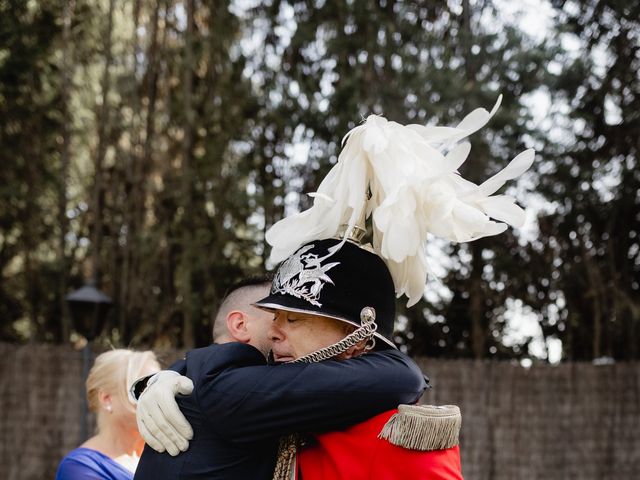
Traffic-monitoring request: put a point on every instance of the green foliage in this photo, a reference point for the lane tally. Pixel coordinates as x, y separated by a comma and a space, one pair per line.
417, 63
591, 239
151, 144
29, 134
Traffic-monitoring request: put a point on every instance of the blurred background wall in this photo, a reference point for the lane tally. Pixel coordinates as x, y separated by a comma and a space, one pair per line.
574, 420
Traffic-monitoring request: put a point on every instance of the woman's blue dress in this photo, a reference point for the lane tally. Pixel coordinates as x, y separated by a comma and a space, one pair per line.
85, 464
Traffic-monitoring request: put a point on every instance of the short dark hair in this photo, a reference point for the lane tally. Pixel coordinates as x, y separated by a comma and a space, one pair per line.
250, 281
219, 326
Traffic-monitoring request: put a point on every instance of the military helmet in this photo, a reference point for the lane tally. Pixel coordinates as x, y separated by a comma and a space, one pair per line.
336, 279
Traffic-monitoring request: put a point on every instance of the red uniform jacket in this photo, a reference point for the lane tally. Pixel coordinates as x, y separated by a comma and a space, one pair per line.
358, 454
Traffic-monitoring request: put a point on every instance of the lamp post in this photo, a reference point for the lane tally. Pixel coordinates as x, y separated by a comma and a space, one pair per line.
89, 308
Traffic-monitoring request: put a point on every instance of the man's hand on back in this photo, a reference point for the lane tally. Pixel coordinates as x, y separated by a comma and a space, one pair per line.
160, 421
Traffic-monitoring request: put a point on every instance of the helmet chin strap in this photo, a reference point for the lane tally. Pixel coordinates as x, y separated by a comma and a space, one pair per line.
365, 331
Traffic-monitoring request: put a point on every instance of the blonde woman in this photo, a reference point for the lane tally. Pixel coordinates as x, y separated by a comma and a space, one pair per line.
114, 451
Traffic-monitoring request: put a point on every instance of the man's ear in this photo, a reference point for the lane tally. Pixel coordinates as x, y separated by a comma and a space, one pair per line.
237, 326
354, 350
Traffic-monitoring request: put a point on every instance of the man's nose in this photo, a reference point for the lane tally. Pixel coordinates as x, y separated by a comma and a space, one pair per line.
275, 333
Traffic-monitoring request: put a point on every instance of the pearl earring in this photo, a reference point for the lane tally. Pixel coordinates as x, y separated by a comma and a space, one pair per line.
109, 409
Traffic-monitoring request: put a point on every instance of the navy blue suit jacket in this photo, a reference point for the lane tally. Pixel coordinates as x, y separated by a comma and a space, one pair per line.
240, 407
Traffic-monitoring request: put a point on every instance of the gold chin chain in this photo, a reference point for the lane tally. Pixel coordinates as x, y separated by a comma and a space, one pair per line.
365, 331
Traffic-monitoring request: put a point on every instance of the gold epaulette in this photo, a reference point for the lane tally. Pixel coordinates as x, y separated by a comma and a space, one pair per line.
423, 427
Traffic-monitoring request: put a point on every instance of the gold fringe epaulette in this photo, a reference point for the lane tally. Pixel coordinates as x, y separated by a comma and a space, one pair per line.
423, 427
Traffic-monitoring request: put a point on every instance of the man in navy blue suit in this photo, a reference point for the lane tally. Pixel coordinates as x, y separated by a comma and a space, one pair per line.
241, 405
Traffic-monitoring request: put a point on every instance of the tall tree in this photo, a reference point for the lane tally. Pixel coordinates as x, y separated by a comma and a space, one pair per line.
30, 129
103, 123
592, 236
65, 158
186, 203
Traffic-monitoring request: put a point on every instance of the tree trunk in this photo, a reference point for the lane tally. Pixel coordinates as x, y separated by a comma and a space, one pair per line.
186, 269
476, 303
63, 221
151, 92
476, 295
31, 219
595, 291
103, 121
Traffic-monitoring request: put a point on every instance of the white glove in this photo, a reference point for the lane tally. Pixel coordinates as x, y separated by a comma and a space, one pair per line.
160, 421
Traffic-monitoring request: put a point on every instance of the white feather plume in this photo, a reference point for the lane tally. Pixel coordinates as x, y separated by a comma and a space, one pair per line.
416, 191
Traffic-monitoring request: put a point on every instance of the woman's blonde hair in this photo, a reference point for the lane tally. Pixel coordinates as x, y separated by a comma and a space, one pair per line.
114, 372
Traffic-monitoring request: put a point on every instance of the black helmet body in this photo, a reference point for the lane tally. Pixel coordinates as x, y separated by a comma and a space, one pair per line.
335, 279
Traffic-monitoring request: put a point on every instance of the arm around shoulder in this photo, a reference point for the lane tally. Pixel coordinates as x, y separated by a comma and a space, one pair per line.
256, 402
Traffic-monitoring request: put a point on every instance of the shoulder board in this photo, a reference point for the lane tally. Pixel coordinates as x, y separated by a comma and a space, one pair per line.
423, 427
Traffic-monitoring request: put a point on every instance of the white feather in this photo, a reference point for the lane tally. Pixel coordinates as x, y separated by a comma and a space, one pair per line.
503, 208
470, 124
520, 164
415, 192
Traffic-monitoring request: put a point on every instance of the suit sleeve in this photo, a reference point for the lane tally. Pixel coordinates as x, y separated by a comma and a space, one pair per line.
179, 366
252, 403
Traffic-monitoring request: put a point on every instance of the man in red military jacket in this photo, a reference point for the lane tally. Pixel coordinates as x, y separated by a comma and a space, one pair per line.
353, 298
